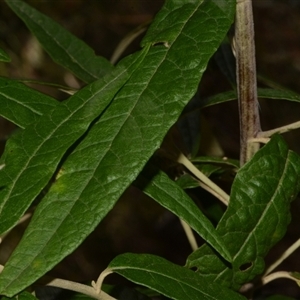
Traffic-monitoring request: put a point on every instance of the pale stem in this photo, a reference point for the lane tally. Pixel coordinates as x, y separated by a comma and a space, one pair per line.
282, 129
80, 288
212, 192
189, 234
182, 159
127, 40
97, 285
259, 140
246, 79
284, 255
23, 219
278, 275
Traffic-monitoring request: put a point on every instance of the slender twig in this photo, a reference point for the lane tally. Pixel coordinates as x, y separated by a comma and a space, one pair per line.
189, 234
284, 255
282, 129
182, 159
246, 79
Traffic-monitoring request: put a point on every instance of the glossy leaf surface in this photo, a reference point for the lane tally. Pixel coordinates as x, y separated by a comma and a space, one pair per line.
22, 105
168, 194
168, 279
32, 155
63, 47
256, 218
117, 147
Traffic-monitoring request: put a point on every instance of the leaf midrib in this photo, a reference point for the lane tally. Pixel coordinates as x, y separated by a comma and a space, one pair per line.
163, 275
16, 178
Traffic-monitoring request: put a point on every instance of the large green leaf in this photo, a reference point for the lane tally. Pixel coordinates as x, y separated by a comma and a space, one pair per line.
256, 218
167, 193
4, 57
168, 279
117, 147
64, 48
32, 155
22, 105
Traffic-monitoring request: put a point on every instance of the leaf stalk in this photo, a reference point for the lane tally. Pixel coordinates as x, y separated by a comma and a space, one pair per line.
182, 159
284, 255
80, 288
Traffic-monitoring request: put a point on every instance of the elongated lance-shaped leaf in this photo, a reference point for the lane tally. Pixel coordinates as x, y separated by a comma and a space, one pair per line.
117, 147
256, 218
63, 47
166, 192
217, 160
4, 57
168, 279
261, 93
22, 105
32, 155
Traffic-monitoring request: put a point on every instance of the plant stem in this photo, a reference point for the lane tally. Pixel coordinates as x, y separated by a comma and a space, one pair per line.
80, 288
182, 159
278, 275
246, 79
282, 129
284, 255
225, 201
189, 234
127, 40
98, 284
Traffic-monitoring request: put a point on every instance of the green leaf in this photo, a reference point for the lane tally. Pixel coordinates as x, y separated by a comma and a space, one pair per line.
22, 105
32, 155
117, 147
262, 93
208, 165
22, 296
168, 279
256, 218
278, 94
166, 192
186, 181
217, 160
63, 47
4, 57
